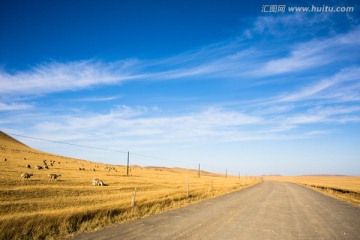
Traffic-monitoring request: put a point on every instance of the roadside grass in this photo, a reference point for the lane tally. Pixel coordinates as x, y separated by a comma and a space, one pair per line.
345, 188
40, 208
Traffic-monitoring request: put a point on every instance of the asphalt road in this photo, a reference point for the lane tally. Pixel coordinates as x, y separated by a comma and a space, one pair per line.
270, 210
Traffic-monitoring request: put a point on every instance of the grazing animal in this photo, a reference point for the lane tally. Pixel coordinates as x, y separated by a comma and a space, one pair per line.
46, 166
28, 166
97, 182
53, 176
5, 160
38, 167
26, 175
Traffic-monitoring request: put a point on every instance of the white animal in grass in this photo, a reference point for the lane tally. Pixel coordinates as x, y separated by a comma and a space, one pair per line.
54, 176
26, 175
97, 182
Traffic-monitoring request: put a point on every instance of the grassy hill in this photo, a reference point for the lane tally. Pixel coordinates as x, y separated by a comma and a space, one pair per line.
40, 208
10, 141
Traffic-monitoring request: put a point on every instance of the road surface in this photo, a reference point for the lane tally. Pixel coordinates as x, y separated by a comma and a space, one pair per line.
269, 210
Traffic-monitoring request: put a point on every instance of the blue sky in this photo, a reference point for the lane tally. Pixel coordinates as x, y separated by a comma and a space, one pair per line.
218, 83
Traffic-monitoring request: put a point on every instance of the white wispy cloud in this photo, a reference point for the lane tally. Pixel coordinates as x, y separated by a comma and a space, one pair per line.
321, 88
314, 53
96, 99
14, 106
143, 123
148, 125
275, 25
325, 115
318, 133
56, 76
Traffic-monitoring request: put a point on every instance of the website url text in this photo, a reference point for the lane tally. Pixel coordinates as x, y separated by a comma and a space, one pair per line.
323, 8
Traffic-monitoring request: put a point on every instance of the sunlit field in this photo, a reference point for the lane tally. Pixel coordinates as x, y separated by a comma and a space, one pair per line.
345, 188
44, 208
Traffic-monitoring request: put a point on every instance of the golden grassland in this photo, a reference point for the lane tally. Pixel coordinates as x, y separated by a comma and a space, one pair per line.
41, 208
345, 188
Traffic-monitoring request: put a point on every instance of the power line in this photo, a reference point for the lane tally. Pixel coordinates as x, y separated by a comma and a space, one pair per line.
72, 144
112, 150
159, 158
97, 148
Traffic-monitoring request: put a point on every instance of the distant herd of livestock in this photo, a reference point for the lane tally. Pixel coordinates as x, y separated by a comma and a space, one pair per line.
53, 176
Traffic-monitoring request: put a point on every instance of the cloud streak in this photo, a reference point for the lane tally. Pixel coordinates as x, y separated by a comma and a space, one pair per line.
326, 88
125, 122
97, 99
313, 54
55, 77
14, 106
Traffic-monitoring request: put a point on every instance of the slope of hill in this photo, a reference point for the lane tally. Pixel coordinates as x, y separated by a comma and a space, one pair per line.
41, 208
10, 141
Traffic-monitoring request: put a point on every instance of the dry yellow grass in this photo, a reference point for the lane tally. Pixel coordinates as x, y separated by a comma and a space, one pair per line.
345, 188
40, 208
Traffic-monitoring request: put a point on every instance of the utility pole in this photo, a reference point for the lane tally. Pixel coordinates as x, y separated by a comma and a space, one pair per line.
199, 171
226, 173
127, 167
187, 187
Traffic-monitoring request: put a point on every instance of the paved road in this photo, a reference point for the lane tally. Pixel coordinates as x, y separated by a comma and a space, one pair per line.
270, 210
